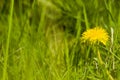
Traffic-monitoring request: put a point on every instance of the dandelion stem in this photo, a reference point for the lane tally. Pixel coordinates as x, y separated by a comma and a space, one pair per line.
100, 59
101, 62
109, 75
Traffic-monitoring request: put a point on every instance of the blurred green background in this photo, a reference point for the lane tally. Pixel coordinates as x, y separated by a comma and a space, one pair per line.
45, 39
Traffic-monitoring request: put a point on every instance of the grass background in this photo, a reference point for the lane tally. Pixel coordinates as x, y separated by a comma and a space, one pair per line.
40, 39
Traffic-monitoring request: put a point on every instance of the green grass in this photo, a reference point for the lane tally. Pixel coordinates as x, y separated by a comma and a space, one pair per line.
7, 43
41, 40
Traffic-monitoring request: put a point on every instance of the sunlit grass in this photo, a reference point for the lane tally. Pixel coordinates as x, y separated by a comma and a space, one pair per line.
49, 40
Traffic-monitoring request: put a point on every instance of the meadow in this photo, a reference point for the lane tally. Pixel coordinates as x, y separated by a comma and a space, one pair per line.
59, 40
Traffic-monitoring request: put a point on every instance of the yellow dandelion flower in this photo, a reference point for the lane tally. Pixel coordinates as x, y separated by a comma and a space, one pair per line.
95, 35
